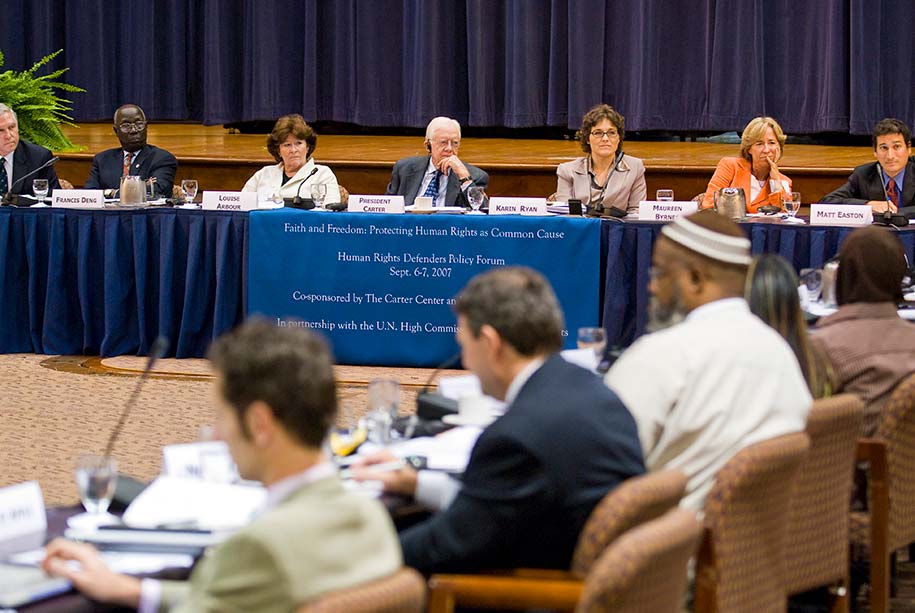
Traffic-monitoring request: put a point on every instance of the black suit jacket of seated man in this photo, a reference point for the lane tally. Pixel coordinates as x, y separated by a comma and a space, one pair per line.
408, 174
150, 161
865, 183
533, 478
26, 158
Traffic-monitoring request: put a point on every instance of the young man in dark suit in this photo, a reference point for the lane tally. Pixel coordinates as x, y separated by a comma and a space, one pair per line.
888, 183
440, 175
18, 158
133, 157
537, 472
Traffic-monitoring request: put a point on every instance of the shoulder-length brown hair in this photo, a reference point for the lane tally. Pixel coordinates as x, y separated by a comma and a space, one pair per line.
295, 125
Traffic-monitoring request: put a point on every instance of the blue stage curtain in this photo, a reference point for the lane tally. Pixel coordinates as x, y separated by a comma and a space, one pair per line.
665, 64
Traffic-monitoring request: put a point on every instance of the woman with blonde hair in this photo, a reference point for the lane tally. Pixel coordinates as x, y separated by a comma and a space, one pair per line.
756, 170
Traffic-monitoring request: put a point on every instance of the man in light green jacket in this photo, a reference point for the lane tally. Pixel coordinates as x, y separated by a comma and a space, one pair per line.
275, 401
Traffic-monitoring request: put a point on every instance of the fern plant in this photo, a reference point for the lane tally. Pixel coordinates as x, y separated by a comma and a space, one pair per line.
38, 106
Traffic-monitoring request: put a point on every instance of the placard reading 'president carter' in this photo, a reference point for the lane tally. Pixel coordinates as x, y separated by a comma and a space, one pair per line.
381, 287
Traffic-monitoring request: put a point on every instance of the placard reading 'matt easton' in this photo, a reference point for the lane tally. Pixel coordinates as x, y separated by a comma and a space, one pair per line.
381, 287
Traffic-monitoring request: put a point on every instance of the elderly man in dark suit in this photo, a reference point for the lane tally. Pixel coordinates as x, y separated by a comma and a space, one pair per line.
18, 158
440, 175
537, 472
133, 157
889, 183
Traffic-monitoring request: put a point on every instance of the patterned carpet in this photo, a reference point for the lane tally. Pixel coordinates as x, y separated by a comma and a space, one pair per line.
54, 409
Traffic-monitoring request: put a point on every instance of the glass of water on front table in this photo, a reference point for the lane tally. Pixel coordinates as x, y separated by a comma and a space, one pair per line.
318, 194
476, 195
792, 203
664, 195
40, 189
594, 339
189, 189
96, 478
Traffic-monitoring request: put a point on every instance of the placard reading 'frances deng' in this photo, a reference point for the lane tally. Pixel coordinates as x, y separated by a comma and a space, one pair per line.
381, 288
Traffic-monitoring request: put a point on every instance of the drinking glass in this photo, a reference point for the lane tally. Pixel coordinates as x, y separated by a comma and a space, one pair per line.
96, 478
476, 196
664, 195
189, 189
593, 338
40, 189
384, 402
793, 203
318, 194
812, 278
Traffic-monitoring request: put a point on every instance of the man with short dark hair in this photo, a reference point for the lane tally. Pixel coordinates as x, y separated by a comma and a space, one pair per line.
716, 378
275, 401
441, 175
19, 157
537, 472
133, 157
888, 184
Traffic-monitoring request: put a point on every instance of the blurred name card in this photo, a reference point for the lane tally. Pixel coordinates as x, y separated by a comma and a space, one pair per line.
517, 206
655, 210
230, 201
21, 511
841, 215
78, 198
375, 204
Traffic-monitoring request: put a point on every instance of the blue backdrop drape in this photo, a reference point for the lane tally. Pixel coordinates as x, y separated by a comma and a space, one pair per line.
822, 65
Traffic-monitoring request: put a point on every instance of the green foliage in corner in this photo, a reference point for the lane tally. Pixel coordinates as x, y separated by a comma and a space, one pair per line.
38, 106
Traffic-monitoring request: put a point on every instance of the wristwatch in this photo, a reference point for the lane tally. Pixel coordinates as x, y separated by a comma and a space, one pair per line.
467, 179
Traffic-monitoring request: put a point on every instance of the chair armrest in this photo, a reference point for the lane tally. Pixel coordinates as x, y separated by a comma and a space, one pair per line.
869, 449
517, 593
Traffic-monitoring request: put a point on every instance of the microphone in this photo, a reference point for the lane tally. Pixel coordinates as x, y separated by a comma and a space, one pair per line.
432, 405
297, 201
158, 349
9, 198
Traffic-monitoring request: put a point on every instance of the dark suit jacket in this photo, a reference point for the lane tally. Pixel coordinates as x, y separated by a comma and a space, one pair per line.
150, 161
27, 158
866, 183
407, 178
533, 478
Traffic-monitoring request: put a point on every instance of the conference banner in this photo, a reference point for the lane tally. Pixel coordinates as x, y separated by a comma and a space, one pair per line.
381, 287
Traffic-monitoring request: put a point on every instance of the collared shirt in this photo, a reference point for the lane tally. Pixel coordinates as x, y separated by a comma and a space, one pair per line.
151, 589
436, 490
9, 168
440, 200
898, 179
133, 160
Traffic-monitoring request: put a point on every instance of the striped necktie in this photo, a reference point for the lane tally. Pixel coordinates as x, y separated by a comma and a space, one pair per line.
891, 192
128, 160
4, 178
432, 188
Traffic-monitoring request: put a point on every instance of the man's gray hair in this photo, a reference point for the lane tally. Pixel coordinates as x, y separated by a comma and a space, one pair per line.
124, 106
441, 122
6, 109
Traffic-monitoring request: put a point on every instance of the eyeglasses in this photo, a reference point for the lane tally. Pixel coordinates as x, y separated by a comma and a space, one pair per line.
444, 142
127, 127
600, 134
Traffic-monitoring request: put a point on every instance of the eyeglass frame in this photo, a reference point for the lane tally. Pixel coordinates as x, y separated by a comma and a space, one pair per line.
127, 127
600, 134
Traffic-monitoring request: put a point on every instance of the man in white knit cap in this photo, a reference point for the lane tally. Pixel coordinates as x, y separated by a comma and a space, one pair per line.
715, 378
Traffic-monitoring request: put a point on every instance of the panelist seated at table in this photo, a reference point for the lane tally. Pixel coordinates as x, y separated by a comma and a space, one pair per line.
275, 400
537, 472
888, 183
606, 180
19, 157
134, 157
441, 175
292, 144
756, 170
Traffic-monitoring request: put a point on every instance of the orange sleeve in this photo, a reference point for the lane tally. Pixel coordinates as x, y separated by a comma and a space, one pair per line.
724, 176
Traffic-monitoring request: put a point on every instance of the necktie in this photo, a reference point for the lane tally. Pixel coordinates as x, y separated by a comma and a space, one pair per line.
432, 188
128, 160
891, 192
4, 178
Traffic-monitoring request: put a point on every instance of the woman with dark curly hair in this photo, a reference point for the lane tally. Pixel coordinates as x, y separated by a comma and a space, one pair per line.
610, 182
291, 143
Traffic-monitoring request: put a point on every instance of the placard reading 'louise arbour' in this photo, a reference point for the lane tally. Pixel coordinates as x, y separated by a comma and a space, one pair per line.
381, 287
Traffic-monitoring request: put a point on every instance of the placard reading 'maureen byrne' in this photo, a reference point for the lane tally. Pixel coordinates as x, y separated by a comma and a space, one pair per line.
381, 287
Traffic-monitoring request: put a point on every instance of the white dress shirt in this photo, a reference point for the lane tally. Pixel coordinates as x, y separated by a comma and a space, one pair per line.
704, 389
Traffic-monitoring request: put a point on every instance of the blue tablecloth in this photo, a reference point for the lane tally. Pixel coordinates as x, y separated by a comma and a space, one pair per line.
108, 282
628, 248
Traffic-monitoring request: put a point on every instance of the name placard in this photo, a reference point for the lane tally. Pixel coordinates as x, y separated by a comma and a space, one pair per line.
517, 206
840, 215
668, 210
209, 460
229, 201
375, 204
21, 511
79, 198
